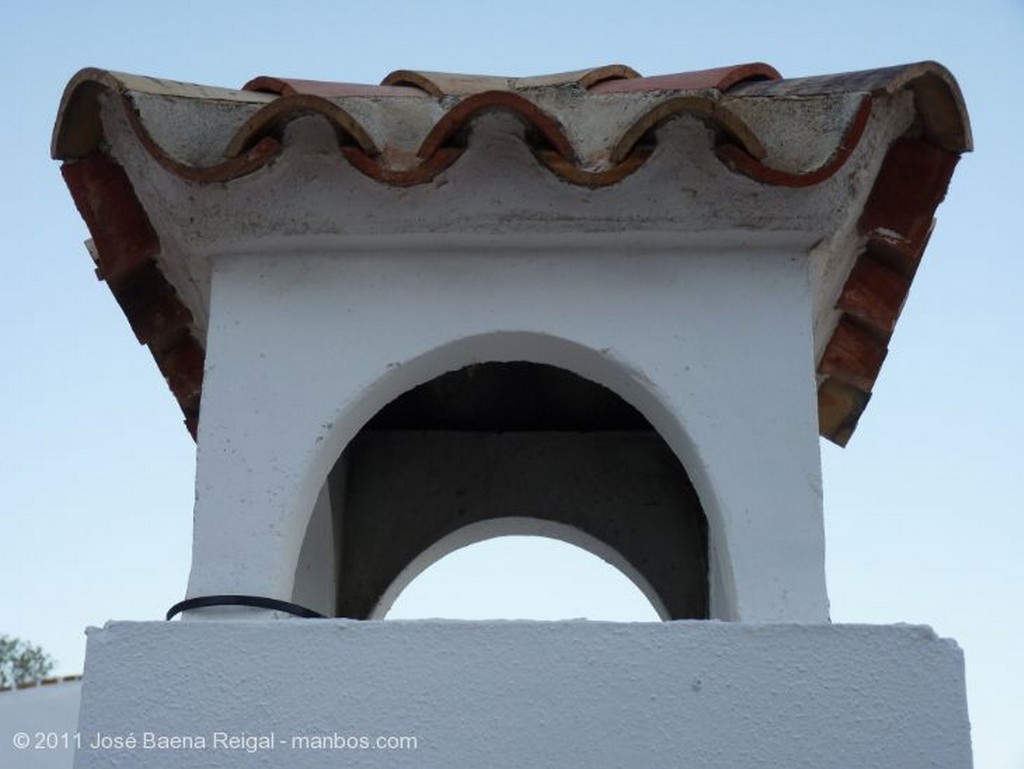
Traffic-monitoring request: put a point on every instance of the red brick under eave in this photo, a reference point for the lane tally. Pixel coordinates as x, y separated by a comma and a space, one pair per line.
127, 246
897, 221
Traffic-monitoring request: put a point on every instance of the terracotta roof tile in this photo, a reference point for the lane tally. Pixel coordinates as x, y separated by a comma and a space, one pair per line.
854, 354
897, 221
462, 113
592, 128
749, 164
874, 294
448, 84
720, 79
898, 216
328, 90
125, 240
937, 96
126, 246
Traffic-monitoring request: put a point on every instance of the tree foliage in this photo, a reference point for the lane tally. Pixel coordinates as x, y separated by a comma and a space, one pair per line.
22, 662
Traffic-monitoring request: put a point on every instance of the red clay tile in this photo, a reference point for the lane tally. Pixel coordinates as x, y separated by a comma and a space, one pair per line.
455, 120
270, 120
445, 83
152, 306
854, 355
243, 162
125, 240
699, 106
742, 162
450, 84
327, 90
937, 97
607, 74
898, 215
125, 247
182, 367
720, 78
896, 220
572, 173
438, 161
874, 294
839, 408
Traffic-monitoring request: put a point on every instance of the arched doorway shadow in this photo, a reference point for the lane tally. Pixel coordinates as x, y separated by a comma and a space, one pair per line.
513, 441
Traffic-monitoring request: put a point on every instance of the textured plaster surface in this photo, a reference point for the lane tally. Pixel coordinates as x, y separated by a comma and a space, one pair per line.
592, 125
315, 573
713, 347
530, 694
499, 189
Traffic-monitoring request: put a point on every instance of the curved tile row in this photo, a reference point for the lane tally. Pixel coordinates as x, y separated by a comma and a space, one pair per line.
257, 142
895, 222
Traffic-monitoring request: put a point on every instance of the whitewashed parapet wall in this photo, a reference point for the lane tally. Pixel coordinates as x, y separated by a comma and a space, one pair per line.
523, 694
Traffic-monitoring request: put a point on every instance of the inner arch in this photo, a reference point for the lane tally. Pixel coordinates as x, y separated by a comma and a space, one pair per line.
517, 529
512, 440
522, 577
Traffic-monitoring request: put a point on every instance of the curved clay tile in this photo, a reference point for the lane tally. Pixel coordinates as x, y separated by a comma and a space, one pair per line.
78, 129
461, 114
445, 83
895, 223
256, 141
584, 78
430, 167
126, 251
700, 106
940, 103
607, 74
78, 132
748, 164
254, 156
450, 84
573, 174
893, 226
328, 90
720, 78
271, 118
937, 96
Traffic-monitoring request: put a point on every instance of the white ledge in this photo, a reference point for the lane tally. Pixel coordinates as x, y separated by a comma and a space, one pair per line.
509, 695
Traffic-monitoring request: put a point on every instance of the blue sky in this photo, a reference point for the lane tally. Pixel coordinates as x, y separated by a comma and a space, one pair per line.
923, 510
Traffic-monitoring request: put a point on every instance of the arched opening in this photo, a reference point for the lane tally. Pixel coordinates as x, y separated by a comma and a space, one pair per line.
507, 441
522, 577
539, 533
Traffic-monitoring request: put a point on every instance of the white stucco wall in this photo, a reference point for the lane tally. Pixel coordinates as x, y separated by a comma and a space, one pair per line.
315, 573
43, 719
527, 694
713, 346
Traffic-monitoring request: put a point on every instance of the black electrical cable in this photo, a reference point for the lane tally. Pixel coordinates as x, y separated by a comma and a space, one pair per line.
243, 600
